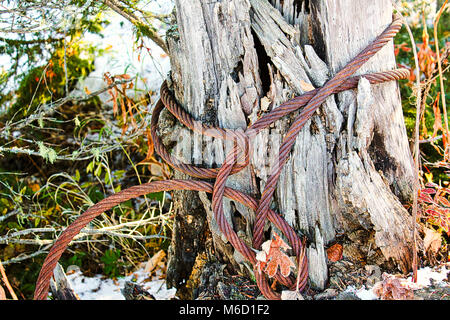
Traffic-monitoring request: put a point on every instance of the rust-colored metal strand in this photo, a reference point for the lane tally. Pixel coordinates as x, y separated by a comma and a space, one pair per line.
193, 171
319, 97
282, 110
329, 88
235, 161
60, 245
262, 123
298, 102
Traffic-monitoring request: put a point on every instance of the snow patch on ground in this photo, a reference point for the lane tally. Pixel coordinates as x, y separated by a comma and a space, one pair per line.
362, 293
101, 288
425, 277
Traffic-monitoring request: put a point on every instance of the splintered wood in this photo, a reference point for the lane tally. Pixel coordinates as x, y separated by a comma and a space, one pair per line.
154, 261
234, 60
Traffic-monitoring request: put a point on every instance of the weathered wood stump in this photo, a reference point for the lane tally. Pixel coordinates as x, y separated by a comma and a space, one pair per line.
350, 166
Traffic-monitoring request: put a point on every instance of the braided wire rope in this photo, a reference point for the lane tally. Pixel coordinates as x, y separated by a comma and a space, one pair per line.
236, 160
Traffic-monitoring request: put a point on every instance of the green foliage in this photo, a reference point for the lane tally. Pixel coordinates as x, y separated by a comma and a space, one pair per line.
45, 84
29, 52
433, 195
423, 35
77, 258
39, 190
112, 263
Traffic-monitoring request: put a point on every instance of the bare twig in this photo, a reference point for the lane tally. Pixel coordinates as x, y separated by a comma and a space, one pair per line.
27, 232
11, 238
5, 280
86, 232
114, 5
416, 145
48, 108
441, 79
23, 257
66, 74
16, 150
431, 139
28, 42
10, 214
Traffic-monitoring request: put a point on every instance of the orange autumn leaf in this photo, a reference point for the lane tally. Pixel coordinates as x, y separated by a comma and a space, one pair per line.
149, 158
425, 55
123, 76
334, 252
34, 187
403, 46
272, 257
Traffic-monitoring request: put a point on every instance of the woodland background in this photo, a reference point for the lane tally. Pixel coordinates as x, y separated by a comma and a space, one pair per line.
75, 106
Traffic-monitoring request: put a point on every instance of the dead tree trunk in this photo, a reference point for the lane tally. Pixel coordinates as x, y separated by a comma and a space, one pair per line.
233, 60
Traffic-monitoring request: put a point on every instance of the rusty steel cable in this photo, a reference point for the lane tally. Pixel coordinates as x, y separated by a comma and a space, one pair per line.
288, 141
236, 160
303, 117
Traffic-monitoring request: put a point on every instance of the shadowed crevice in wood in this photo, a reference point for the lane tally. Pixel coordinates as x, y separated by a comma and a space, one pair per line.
263, 61
316, 29
377, 151
188, 238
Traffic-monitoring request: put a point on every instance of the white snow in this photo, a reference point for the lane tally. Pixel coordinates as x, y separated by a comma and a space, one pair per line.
362, 293
101, 288
427, 274
150, 65
424, 277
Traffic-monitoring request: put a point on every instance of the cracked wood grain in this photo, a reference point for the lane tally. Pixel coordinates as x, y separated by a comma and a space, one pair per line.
353, 147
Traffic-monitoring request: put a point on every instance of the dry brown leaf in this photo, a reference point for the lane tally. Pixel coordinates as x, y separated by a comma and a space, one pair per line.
123, 76
334, 252
156, 170
154, 261
274, 257
393, 288
432, 241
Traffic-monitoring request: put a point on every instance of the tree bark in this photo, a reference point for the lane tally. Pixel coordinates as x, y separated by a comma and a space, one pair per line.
234, 60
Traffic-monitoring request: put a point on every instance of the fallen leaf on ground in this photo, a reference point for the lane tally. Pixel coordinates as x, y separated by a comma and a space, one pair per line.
393, 288
432, 240
273, 257
334, 252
